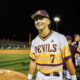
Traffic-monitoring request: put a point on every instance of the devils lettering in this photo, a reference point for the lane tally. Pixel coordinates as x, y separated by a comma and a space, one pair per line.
45, 48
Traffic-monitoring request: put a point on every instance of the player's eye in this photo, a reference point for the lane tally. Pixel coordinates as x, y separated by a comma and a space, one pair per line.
38, 19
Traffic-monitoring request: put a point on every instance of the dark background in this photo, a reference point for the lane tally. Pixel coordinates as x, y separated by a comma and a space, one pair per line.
16, 22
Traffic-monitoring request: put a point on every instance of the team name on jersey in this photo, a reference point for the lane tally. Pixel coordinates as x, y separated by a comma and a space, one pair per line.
45, 48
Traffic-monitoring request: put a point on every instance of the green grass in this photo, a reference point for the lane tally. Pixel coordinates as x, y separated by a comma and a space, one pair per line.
17, 62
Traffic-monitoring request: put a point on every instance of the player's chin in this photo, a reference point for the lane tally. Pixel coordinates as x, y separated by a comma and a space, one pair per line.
39, 27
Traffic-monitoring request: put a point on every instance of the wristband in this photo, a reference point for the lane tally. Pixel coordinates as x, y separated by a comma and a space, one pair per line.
73, 77
30, 76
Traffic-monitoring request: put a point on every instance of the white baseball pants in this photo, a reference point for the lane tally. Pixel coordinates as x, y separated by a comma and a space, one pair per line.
41, 76
67, 74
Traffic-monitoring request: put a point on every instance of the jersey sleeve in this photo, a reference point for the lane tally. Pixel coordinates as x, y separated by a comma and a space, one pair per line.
32, 53
65, 51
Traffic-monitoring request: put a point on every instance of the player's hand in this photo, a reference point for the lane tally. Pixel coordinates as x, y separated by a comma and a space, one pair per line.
73, 77
30, 76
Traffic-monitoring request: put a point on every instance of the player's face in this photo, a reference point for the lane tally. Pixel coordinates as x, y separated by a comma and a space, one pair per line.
77, 38
41, 22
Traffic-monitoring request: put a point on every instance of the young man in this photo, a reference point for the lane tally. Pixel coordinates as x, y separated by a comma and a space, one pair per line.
48, 50
77, 44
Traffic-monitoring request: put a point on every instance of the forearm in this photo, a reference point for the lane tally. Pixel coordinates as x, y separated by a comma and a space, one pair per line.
70, 66
71, 69
32, 67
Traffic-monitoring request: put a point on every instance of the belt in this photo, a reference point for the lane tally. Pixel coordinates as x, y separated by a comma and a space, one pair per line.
53, 74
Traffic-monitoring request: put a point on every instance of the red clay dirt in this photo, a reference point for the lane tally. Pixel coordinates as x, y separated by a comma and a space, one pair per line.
11, 75
6, 51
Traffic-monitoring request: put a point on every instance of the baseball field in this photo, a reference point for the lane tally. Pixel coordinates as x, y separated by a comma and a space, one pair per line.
18, 60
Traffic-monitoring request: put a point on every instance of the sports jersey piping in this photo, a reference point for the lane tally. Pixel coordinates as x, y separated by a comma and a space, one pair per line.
32, 59
49, 64
46, 37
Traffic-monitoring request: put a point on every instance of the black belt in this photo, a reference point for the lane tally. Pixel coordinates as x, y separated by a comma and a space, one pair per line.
54, 74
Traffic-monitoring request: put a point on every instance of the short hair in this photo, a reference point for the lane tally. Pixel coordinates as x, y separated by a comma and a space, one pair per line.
76, 35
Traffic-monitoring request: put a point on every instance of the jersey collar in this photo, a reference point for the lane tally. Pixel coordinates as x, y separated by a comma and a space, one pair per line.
46, 37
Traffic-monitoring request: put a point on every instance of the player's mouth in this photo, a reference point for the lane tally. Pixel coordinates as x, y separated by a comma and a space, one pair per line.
39, 24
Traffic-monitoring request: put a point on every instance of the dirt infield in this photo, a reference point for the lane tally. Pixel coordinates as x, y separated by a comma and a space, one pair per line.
11, 75
5, 51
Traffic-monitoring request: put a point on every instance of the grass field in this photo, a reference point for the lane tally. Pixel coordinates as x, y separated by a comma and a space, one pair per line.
19, 62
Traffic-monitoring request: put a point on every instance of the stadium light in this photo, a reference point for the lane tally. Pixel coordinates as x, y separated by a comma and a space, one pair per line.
57, 20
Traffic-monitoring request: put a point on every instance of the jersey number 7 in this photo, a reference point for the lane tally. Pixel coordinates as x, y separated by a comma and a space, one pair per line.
52, 58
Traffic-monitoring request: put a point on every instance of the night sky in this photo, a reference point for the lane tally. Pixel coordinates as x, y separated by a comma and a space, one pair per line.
16, 22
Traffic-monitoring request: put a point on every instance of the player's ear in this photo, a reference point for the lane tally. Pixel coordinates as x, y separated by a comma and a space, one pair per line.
48, 21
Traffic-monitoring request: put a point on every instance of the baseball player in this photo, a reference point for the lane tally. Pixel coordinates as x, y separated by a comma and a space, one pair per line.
48, 50
77, 44
74, 51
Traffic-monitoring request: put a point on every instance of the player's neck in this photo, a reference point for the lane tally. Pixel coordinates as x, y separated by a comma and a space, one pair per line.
44, 32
